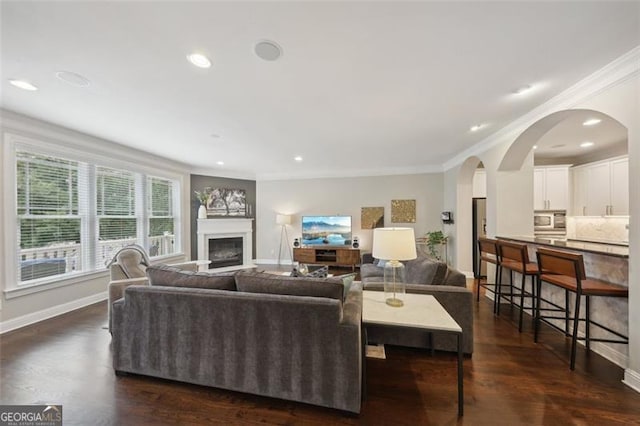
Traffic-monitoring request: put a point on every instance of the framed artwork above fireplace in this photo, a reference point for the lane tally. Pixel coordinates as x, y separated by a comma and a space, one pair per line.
227, 202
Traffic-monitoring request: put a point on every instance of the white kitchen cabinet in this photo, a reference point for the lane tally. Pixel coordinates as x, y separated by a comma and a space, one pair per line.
619, 187
601, 188
598, 185
579, 193
551, 188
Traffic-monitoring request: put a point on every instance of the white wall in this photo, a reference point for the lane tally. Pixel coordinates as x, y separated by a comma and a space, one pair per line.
69, 294
622, 102
344, 196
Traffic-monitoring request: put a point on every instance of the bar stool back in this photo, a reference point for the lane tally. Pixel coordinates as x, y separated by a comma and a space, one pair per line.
566, 270
488, 250
514, 257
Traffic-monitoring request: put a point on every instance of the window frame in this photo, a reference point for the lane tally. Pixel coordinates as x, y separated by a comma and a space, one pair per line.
44, 146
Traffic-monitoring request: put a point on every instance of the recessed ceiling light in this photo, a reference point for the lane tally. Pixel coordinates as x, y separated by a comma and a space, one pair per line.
23, 84
199, 60
476, 127
268, 50
591, 122
73, 78
586, 144
220, 163
297, 158
535, 147
522, 90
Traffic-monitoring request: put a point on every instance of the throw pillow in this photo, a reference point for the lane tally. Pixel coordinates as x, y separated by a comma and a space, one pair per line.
259, 282
347, 280
171, 276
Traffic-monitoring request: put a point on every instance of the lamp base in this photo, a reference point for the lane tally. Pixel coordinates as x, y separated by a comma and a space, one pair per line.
396, 303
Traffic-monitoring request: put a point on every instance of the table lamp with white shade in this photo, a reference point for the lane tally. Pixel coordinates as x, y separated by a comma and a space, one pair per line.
283, 220
394, 245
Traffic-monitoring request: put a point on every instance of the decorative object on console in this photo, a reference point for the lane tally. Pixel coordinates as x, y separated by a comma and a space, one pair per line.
435, 242
202, 197
283, 220
371, 217
394, 244
403, 211
314, 271
227, 202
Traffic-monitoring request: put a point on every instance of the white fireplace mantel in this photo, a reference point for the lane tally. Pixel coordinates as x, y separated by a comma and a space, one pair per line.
226, 228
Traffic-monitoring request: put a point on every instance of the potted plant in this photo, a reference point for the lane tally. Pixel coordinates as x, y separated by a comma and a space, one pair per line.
434, 240
202, 197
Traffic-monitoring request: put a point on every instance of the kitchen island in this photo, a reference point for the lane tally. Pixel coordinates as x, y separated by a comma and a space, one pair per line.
609, 249
607, 262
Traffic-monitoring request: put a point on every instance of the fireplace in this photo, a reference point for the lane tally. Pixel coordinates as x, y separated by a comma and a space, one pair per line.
225, 252
227, 243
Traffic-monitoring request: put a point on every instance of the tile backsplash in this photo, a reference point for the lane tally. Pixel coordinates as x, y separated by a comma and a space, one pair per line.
598, 228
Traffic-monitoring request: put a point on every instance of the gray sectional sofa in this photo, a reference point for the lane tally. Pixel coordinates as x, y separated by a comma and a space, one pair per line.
291, 338
425, 276
422, 270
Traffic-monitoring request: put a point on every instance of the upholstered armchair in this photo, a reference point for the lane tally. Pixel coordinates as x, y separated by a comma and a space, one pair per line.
129, 267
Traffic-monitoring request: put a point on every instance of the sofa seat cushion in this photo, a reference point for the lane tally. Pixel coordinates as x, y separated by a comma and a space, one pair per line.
261, 282
170, 276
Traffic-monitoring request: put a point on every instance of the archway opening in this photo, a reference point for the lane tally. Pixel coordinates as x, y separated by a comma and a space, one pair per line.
467, 182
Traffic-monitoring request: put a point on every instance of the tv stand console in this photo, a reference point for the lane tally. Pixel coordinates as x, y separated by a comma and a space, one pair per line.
337, 256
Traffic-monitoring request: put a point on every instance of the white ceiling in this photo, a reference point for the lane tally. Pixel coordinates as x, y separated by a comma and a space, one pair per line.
562, 142
362, 87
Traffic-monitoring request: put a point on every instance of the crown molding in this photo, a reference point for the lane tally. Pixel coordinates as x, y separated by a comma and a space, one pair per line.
350, 173
34, 128
223, 173
612, 74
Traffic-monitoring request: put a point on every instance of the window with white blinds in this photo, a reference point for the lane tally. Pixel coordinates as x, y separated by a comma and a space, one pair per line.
116, 212
160, 213
48, 213
74, 216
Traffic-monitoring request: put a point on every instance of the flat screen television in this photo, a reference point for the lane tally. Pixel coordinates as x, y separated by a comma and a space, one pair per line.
326, 230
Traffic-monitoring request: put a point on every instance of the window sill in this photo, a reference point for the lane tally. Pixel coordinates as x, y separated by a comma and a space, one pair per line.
45, 284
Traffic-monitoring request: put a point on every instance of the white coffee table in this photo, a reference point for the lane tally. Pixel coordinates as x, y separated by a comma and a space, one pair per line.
420, 311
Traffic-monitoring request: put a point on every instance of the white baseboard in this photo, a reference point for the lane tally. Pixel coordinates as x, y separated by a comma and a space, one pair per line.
609, 353
54, 311
632, 379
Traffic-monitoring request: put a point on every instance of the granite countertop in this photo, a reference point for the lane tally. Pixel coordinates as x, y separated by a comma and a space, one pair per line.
598, 248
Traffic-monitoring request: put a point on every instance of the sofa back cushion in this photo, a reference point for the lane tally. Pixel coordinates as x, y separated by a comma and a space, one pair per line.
261, 282
171, 276
424, 270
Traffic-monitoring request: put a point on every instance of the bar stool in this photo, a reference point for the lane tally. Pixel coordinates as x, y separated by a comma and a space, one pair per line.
566, 270
488, 253
514, 257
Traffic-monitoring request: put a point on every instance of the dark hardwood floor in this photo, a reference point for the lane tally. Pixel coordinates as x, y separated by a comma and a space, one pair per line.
509, 381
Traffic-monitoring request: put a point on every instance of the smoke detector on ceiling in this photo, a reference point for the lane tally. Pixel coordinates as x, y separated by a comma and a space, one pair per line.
73, 78
268, 50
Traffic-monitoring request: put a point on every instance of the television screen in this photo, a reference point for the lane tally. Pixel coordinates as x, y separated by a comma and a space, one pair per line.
327, 230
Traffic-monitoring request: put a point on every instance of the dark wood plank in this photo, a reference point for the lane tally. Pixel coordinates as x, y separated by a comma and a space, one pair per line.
510, 380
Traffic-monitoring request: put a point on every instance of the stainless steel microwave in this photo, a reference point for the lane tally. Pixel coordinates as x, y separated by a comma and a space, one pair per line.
550, 220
